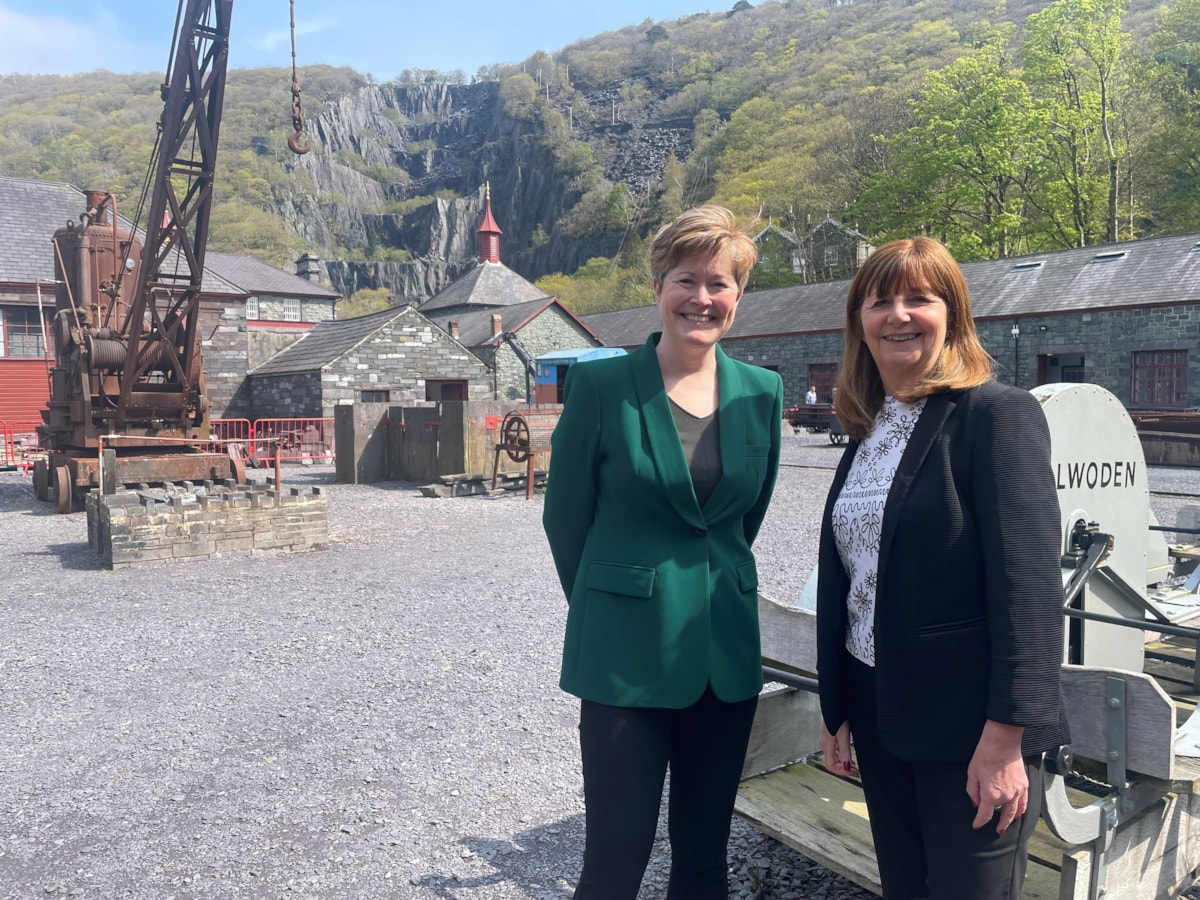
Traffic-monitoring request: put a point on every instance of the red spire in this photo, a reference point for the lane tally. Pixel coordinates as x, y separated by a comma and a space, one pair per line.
489, 232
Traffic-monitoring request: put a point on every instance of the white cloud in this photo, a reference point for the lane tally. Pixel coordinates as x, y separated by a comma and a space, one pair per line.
276, 38
38, 45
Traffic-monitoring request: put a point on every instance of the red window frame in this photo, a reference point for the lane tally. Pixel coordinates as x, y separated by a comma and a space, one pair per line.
1160, 378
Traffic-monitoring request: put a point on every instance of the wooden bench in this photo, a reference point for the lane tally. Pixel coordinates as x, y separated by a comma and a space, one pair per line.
1151, 850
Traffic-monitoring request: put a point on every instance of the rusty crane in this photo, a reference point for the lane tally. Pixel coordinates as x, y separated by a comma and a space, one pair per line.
128, 396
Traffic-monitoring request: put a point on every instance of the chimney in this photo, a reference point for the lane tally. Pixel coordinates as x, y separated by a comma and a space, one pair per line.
454, 329
497, 324
489, 232
308, 267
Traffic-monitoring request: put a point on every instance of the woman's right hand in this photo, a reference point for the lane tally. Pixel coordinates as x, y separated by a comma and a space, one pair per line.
835, 750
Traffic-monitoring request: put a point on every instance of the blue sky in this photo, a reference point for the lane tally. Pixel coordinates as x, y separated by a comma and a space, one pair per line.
382, 37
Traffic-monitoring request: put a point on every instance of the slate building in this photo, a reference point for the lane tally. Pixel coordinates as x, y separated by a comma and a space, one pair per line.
1124, 316
393, 356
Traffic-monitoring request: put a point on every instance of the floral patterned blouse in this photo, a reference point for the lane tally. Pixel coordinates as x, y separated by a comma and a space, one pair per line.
858, 516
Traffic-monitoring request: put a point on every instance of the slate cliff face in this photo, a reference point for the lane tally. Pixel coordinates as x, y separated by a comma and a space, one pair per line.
383, 144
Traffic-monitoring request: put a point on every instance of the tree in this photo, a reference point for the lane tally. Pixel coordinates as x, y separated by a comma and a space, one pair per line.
518, 93
1172, 76
674, 180
964, 170
364, 302
1072, 61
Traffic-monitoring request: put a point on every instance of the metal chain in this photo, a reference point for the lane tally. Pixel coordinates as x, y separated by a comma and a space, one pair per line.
300, 143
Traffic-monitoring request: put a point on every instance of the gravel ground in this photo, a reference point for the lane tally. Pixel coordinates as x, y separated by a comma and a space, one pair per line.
381, 719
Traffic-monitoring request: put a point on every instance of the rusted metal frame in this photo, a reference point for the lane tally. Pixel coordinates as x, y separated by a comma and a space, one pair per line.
191, 89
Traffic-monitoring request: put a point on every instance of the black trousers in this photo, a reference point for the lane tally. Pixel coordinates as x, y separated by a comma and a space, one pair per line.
921, 818
626, 754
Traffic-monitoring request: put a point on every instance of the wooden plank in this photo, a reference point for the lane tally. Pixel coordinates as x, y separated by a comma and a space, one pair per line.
822, 816
1155, 855
825, 818
787, 726
789, 636
1150, 719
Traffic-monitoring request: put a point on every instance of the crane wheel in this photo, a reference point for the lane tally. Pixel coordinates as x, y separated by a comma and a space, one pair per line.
41, 480
63, 488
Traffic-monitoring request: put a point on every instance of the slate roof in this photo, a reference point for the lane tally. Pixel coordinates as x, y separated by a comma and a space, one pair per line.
489, 284
327, 341
30, 213
475, 325
258, 278
1151, 272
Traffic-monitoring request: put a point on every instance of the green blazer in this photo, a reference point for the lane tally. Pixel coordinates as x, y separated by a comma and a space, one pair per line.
662, 592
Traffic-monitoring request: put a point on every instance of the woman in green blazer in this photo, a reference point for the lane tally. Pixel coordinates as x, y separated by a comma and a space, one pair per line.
662, 468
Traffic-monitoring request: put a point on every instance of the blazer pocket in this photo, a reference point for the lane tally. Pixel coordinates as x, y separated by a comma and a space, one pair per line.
976, 624
615, 578
758, 449
747, 576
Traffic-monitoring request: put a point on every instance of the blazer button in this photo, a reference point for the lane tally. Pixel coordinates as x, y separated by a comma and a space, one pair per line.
699, 532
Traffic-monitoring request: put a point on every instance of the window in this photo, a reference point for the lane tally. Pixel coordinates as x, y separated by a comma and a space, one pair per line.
252, 314
291, 309
375, 396
1160, 378
831, 255
21, 334
448, 390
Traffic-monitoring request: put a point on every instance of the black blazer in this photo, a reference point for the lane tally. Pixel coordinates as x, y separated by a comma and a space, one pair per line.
968, 609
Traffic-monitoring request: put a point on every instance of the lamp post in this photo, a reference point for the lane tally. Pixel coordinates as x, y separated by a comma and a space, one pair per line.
1016, 336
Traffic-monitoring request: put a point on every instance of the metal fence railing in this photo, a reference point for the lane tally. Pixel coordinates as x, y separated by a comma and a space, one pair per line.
297, 439
19, 444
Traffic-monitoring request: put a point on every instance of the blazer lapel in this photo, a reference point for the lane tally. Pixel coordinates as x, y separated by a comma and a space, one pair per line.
937, 409
669, 460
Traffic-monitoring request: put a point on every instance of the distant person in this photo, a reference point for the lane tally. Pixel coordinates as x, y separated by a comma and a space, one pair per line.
663, 465
939, 593
811, 397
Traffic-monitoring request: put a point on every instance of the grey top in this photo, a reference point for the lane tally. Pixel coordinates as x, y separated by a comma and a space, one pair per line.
701, 439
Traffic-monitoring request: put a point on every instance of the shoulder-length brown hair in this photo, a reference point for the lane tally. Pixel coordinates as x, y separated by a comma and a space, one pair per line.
910, 264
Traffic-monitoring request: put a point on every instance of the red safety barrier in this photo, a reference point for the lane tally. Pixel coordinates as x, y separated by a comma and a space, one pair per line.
297, 439
230, 431
21, 444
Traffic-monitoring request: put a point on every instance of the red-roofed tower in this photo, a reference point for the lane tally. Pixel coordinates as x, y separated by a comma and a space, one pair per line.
489, 232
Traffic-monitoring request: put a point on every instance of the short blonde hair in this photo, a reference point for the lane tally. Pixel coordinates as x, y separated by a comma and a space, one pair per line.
704, 229
909, 264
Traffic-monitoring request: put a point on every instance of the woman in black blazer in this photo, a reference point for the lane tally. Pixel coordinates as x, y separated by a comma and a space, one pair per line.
939, 599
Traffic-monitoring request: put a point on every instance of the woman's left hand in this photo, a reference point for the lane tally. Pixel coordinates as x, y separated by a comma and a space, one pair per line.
996, 777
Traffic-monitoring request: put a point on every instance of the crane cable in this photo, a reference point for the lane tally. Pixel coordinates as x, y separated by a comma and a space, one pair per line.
299, 143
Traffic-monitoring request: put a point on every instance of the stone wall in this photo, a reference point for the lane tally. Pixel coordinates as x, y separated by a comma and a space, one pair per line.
790, 356
398, 358
230, 350
134, 528
293, 396
223, 349
551, 330
312, 309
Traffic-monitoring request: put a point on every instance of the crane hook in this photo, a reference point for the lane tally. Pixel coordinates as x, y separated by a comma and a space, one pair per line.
299, 142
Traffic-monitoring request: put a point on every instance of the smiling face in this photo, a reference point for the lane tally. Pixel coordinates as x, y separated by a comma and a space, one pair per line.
697, 299
905, 331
